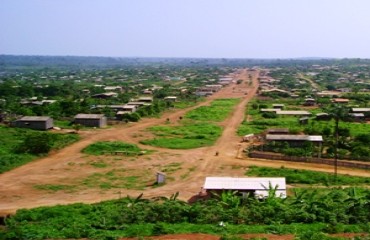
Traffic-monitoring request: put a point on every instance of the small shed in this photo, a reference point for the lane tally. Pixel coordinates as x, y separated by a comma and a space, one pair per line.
309, 102
91, 120
170, 98
323, 116
340, 100
145, 99
35, 122
278, 106
257, 186
248, 137
303, 120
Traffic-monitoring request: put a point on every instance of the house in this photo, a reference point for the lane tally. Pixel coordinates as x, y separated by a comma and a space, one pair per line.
276, 90
303, 120
137, 104
91, 120
357, 116
309, 102
170, 98
323, 116
329, 93
293, 113
340, 100
256, 186
113, 88
128, 109
269, 110
105, 95
360, 110
145, 99
35, 122
278, 106
248, 137
295, 140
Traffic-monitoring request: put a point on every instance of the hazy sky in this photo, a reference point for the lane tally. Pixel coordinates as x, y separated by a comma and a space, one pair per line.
186, 28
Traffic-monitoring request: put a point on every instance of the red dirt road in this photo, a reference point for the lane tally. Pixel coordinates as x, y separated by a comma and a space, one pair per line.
70, 167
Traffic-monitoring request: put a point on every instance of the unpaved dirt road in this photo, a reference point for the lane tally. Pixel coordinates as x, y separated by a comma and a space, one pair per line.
70, 167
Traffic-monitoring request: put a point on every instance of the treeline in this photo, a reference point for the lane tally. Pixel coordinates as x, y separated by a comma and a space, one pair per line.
333, 207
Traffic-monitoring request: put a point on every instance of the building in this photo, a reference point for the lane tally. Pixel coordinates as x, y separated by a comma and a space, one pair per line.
278, 106
293, 113
340, 100
170, 98
91, 120
294, 140
323, 116
145, 99
35, 122
105, 95
309, 102
360, 110
256, 186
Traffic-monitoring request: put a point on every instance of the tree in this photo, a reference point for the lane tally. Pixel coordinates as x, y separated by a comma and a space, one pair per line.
35, 143
339, 113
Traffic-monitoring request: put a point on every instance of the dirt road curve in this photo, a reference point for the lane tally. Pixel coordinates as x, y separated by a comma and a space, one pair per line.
69, 167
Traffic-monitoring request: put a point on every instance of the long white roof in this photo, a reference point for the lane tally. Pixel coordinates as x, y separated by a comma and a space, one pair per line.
290, 137
250, 183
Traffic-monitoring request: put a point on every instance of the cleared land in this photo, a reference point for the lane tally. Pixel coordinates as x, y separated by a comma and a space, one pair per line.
47, 181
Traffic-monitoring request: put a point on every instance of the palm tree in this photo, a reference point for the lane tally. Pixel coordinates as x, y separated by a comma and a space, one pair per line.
339, 113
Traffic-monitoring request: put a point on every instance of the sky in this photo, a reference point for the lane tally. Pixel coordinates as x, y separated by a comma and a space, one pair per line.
186, 28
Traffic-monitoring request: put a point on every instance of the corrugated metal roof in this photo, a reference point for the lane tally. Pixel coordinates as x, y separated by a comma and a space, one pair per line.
34, 118
288, 137
360, 109
243, 183
293, 113
88, 116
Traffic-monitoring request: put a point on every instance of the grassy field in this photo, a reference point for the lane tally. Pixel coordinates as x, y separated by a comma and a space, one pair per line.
12, 138
198, 129
306, 176
217, 111
190, 135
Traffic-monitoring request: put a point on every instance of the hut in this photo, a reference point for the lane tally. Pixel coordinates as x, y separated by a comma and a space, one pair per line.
35, 122
91, 120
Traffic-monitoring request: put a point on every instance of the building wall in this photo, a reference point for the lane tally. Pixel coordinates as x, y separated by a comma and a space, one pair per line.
37, 125
90, 122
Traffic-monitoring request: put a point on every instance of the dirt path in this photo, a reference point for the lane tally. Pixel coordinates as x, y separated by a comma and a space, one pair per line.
69, 166
314, 85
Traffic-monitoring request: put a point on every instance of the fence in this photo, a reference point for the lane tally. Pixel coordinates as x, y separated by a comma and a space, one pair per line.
341, 163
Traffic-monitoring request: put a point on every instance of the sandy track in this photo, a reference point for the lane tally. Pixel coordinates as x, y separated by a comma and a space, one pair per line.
69, 166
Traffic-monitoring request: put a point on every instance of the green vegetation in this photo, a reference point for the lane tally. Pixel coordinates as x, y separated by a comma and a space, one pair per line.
306, 176
119, 178
20, 146
187, 136
197, 129
217, 111
101, 148
304, 213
